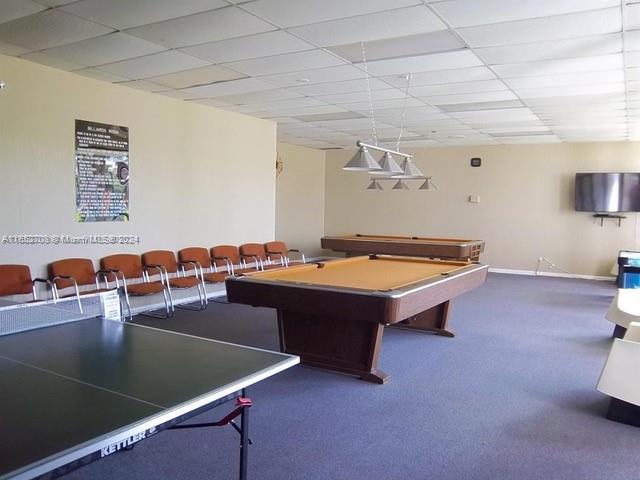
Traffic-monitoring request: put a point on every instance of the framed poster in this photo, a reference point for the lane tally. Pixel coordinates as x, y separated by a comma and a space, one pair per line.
102, 172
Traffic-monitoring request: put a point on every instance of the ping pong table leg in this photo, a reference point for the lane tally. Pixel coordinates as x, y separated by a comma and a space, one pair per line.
244, 440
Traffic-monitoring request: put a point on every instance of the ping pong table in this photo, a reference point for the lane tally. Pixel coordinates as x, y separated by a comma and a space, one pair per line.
79, 386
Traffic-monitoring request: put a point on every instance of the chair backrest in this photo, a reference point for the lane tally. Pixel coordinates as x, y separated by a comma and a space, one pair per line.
229, 251
195, 254
276, 247
128, 263
253, 250
166, 258
81, 269
15, 280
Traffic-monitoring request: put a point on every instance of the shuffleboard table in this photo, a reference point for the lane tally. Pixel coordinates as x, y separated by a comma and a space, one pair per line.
332, 313
445, 248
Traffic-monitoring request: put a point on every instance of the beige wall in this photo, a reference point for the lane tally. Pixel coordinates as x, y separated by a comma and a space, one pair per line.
300, 198
197, 174
525, 212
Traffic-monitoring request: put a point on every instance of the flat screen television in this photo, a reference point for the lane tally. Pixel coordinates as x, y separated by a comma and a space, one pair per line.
608, 192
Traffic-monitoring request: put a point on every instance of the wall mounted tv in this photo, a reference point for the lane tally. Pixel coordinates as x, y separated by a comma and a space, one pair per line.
608, 192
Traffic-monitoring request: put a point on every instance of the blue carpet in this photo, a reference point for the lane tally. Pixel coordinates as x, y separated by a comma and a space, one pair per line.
512, 396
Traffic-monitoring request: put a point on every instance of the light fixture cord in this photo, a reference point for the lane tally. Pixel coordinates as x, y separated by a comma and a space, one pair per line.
404, 111
366, 73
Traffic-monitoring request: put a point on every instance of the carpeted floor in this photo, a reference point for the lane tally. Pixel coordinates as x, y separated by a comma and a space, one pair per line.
512, 396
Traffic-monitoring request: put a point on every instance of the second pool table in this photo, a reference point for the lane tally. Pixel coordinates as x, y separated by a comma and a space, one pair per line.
411, 246
332, 314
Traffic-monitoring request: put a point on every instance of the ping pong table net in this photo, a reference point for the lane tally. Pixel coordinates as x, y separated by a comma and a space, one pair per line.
21, 317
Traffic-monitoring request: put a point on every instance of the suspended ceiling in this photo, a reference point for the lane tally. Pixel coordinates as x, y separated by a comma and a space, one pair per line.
453, 72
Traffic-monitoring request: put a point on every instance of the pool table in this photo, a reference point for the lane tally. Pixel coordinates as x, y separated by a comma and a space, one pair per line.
446, 248
333, 313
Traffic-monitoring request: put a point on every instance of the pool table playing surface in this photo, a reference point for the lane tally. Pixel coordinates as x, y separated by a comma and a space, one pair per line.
332, 314
412, 246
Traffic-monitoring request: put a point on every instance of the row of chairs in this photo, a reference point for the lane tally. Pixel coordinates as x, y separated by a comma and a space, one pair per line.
153, 272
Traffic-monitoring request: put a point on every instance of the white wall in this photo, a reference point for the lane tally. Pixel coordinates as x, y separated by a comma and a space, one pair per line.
300, 198
199, 176
526, 208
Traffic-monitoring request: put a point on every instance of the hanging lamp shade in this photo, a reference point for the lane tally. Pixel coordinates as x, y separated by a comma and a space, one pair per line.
388, 166
428, 185
374, 185
400, 185
409, 170
362, 161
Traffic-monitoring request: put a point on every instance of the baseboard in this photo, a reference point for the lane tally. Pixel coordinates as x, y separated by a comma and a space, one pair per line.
533, 273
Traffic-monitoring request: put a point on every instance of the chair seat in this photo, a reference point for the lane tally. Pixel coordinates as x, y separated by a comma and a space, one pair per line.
625, 307
147, 288
238, 271
273, 267
183, 282
215, 277
87, 292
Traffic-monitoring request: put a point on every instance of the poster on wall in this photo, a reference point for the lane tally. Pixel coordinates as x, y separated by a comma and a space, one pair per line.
102, 172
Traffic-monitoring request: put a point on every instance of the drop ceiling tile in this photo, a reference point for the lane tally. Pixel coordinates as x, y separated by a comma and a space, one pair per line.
510, 130
142, 85
289, 62
464, 13
632, 73
358, 85
50, 61
570, 90
633, 16
420, 44
454, 142
12, 9
285, 13
632, 59
632, 39
468, 107
264, 96
456, 88
325, 117
321, 75
542, 29
363, 28
393, 103
472, 97
442, 77
288, 104
54, 3
569, 48
559, 67
178, 94
424, 63
294, 112
527, 139
585, 78
98, 74
122, 14
354, 97
231, 87
154, 65
211, 102
104, 49
197, 76
355, 124
252, 46
564, 102
507, 114
47, 29
202, 28
13, 50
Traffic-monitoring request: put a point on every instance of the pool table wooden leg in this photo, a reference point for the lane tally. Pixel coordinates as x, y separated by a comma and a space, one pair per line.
433, 321
333, 343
